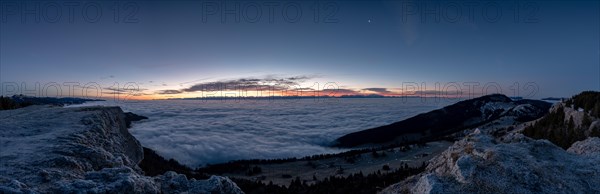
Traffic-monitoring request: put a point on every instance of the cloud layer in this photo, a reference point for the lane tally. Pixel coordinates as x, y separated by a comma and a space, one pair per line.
197, 132
268, 83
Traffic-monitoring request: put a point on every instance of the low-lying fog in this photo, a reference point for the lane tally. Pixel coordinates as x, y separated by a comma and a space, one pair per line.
197, 132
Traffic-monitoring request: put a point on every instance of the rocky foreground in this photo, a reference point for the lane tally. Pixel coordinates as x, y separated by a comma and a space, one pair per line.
505, 160
82, 150
513, 163
49, 149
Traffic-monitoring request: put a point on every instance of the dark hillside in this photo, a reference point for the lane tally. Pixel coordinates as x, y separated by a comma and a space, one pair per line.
450, 119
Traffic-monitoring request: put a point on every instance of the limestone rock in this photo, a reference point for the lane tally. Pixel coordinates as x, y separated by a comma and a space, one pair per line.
82, 150
480, 163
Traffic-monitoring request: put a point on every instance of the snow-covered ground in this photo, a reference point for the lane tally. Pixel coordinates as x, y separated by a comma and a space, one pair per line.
513, 163
47, 149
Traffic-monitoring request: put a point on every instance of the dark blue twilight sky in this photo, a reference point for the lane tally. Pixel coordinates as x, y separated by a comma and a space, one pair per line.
168, 47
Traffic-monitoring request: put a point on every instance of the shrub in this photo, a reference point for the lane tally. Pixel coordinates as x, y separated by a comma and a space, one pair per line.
385, 167
286, 176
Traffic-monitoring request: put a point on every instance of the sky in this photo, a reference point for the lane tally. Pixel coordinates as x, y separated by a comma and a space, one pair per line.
173, 49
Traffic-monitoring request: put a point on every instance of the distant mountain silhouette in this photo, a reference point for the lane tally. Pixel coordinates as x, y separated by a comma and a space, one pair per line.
20, 101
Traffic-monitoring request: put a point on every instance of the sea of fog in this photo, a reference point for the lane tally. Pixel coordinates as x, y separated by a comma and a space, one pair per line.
199, 132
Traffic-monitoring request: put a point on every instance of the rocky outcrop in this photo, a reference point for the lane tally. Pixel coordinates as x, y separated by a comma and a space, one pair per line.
450, 119
131, 117
82, 150
564, 125
512, 163
588, 147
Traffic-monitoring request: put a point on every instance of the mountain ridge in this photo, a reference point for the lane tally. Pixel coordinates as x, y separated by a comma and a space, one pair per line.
450, 119
516, 159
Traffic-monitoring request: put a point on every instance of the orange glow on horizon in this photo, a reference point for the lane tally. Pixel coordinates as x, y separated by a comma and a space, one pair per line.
250, 94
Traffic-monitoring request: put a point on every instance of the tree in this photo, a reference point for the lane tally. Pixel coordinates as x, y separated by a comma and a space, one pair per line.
385, 167
595, 132
571, 125
596, 110
6, 103
586, 121
375, 154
